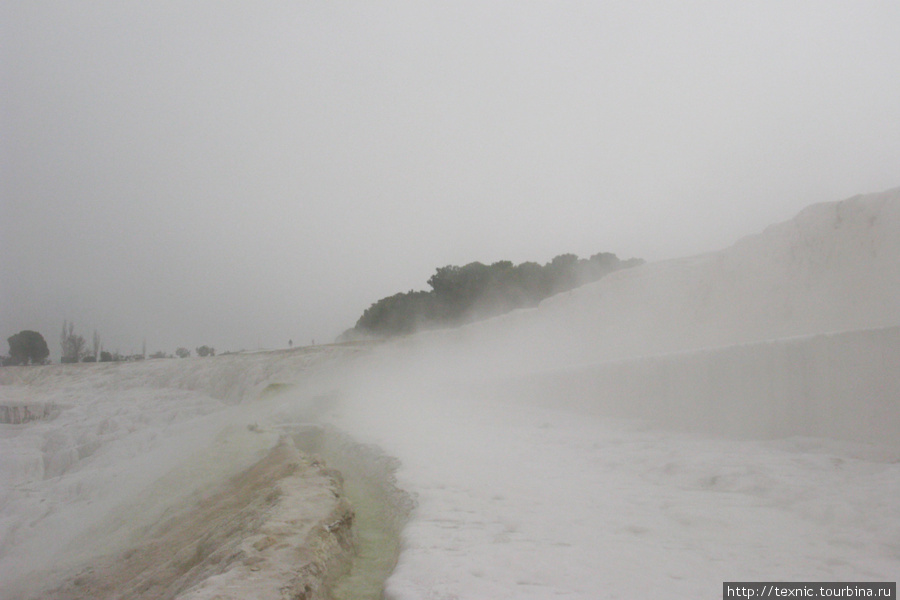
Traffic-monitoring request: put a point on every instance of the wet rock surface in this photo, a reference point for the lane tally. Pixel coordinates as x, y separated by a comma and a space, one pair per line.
281, 529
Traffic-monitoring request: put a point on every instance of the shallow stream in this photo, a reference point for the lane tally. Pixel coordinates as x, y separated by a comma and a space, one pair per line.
381, 509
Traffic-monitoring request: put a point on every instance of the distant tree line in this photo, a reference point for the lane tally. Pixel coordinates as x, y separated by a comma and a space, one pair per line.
477, 291
30, 347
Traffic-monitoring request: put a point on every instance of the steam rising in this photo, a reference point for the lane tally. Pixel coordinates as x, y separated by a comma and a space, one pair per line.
670, 427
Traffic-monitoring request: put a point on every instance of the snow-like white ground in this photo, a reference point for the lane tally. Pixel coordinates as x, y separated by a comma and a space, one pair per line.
593, 447
534, 501
125, 448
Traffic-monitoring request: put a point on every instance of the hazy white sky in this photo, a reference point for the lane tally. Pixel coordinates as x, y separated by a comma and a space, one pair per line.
241, 174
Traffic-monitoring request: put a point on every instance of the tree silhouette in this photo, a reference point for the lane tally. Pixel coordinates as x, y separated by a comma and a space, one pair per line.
73, 346
476, 291
28, 346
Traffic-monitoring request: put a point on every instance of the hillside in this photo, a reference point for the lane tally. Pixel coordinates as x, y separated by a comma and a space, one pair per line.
834, 267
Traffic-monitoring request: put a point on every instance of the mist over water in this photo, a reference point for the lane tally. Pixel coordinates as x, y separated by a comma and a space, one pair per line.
670, 427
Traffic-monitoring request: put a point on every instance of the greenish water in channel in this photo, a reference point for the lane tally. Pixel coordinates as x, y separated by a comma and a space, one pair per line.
380, 509
377, 543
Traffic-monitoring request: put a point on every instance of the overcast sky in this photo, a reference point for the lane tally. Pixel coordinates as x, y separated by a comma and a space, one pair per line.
241, 174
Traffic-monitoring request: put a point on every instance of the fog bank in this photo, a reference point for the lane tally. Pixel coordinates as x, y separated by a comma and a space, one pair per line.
722, 417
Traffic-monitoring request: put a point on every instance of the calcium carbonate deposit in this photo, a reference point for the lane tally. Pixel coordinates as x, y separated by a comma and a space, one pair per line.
726, 417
